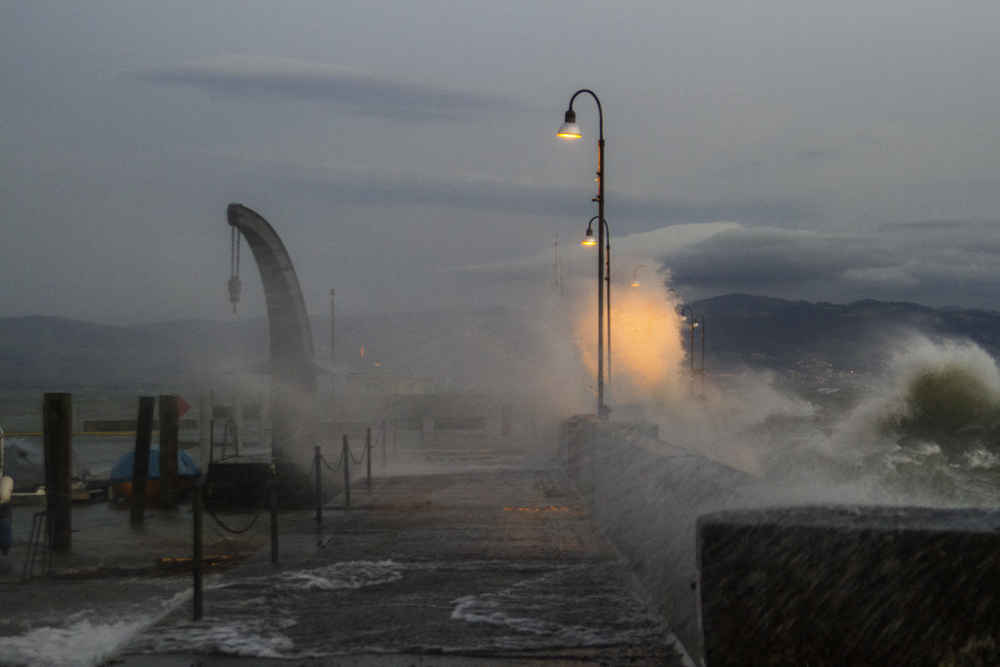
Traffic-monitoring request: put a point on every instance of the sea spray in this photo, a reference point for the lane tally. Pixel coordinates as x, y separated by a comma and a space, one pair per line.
81, 643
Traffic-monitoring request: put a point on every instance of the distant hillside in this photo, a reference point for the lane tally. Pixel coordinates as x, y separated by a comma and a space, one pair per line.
471, 348
787, 335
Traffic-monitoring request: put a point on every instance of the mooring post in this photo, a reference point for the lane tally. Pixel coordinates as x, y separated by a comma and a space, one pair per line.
347, 472
140, 466
168, 451
384, 444
319, 485
57, 426
197, 503
368, 450
274, 516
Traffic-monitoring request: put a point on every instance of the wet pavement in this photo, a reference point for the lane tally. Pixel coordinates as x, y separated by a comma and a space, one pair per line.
477, 567
475, 556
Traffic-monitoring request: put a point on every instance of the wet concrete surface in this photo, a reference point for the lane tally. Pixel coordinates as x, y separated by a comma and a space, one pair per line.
481, 567
465, 552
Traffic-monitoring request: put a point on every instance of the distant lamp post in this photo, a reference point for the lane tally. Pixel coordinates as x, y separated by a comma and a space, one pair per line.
590, 240
635, 276
688, 314
570, 130
699, 320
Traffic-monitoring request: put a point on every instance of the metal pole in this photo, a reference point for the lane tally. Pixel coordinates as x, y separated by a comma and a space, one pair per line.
368, 450
690, 313
607, 279
318, 462
384, 443
602, 410
333, 361
205, 439
274, 517
347, 473
600, 280
197, 561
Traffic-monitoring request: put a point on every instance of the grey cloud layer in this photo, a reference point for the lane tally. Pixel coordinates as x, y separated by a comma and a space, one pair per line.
938, 262
359, 90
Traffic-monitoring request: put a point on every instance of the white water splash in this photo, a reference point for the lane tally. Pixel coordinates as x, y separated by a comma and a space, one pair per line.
83, 643
353, 574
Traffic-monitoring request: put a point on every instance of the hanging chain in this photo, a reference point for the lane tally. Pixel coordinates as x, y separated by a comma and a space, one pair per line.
235, 287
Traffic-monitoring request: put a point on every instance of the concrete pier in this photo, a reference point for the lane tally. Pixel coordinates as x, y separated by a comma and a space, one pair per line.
476, 567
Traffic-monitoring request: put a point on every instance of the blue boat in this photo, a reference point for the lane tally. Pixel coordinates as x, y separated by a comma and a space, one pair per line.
121, 474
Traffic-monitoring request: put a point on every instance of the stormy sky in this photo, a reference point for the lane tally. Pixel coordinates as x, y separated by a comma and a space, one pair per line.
406, 152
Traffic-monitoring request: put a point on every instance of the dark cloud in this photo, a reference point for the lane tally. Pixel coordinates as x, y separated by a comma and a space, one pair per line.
953, 262
358, 90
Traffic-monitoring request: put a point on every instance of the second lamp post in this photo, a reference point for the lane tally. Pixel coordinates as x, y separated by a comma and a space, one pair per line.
570, 130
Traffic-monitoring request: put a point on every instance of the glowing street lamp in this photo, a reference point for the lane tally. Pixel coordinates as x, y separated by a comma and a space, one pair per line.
570, 130
635, 275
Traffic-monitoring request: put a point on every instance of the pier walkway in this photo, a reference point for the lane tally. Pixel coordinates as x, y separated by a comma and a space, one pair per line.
480, 565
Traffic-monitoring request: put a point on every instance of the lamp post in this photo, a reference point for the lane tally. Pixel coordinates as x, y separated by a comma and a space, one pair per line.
570, 130
688, 314
635, 276
699, 320
589, 240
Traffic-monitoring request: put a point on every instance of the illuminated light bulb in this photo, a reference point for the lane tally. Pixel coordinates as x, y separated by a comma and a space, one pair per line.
569, 129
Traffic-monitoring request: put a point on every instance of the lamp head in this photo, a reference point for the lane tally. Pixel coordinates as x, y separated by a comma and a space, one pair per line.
589, 238
569, 129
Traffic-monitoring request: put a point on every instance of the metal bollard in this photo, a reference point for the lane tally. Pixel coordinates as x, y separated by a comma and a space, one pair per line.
383, 441
319, 486
347, 472
197, 503
274, 519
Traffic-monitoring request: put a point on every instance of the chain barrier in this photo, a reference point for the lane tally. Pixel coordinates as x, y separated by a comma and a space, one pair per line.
339, 462
260, 510
356, 461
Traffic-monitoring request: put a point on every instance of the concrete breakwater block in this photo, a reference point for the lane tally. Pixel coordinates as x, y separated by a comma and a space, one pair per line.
849, 586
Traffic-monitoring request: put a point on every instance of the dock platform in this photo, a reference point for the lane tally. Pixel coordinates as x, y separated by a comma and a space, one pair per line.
476, 567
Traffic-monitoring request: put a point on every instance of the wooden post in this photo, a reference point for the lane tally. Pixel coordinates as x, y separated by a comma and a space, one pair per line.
347, 473
196, 510
57, 426
318, 462
368, 452
168, 451
140, 467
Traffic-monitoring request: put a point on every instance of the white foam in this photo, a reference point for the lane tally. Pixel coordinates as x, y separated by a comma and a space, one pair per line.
531, 610
353, 574
240, 638
80, 644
